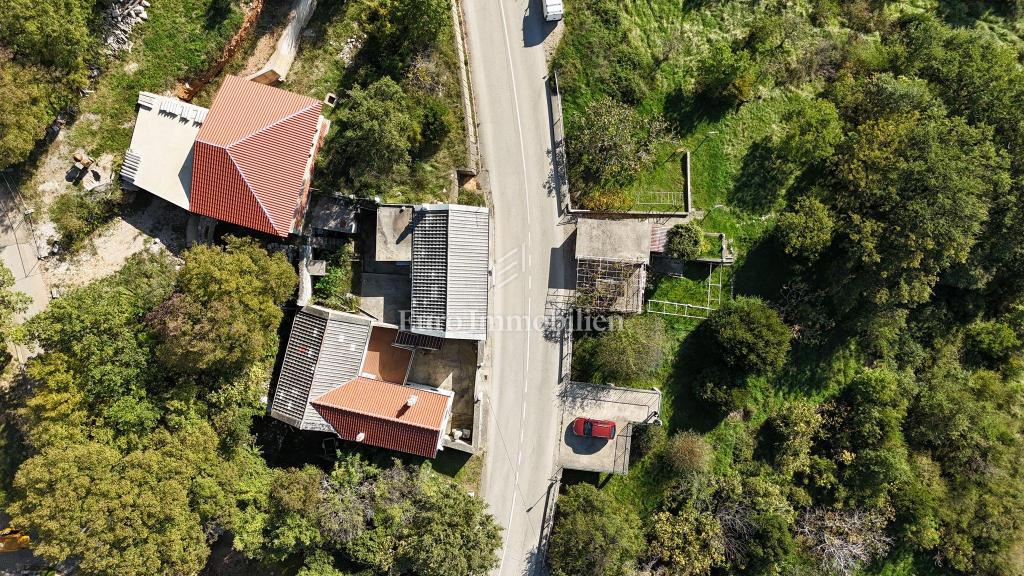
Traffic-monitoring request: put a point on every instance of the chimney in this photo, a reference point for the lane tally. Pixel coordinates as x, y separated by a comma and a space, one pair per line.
360, 437
411, 401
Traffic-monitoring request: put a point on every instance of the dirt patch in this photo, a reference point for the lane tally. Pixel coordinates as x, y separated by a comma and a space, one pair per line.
269, 29
186, 90
148, 224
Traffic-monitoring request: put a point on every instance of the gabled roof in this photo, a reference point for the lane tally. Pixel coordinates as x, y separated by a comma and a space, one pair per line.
251, 156
379, 411
325, 349
450, 261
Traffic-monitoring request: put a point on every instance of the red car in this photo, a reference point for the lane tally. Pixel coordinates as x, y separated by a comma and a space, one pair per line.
590, 428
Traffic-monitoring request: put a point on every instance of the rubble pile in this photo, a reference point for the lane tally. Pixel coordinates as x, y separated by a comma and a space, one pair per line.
121, 19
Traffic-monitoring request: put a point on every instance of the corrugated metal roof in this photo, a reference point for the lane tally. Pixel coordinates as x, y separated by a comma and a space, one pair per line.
252, 154
429, 271
379, 410
325, 348
450, 261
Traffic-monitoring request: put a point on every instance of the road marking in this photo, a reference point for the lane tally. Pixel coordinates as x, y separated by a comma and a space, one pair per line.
528, 244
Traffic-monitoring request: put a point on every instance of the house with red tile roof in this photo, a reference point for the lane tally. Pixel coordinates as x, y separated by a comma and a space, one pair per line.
343, 373
407, 418
251, 160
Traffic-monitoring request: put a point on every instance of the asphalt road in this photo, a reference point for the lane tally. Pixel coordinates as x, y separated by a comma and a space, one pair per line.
508, 68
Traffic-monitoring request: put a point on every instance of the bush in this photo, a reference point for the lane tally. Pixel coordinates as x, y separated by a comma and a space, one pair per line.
634, 352
726, 76
687, 453
436, 123
686, 241
744, 337
610, 148
76, 217
334, 289
594, 535
646, 439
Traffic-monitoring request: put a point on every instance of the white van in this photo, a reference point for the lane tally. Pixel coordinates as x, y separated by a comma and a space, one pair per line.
553, 10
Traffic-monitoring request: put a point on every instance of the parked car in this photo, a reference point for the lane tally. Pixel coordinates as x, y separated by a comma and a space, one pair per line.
590, 428
553, 10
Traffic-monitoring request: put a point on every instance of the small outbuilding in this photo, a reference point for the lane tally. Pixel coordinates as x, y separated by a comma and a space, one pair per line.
612, 256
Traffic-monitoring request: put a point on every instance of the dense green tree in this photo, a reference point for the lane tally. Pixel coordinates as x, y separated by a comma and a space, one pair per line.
98, 334
632, 352
869, 439
688, 543
594, 535
805, 230
11, 302
401, 29
397, 520
909, 189
377, 133
726, 75
226, 309
813, 129
29, 100
990, 344
789, 435
51, 32
115, 514
686, 241
448, 533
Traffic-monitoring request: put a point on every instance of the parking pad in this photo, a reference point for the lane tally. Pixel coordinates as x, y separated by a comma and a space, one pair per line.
624, 406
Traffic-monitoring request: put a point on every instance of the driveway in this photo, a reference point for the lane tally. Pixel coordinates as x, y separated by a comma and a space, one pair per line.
508, 67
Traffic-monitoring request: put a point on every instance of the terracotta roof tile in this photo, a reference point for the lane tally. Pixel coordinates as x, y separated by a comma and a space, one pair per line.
378, 410
251, 156
383, 360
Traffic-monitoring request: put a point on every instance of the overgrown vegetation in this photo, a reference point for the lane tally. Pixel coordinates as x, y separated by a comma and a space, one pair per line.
397, 129
334, 289
863, 410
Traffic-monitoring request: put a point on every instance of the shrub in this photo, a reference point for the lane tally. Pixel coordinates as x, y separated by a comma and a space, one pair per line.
646, 438
633, 352
687, 453
594, 535
334, 289
686, 241
745, 337
436, 123
76, 217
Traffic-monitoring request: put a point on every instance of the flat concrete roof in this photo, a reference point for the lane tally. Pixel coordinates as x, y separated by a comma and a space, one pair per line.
394, 234
626, 239
159, 159
623, 406
385, 296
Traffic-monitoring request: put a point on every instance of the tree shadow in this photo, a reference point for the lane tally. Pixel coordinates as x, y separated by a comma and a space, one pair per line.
967, 14
216, 13
684, 112
761, 182
689, 410
764, 270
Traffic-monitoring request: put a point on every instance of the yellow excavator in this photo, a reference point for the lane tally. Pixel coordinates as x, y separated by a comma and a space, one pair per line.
12, 539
